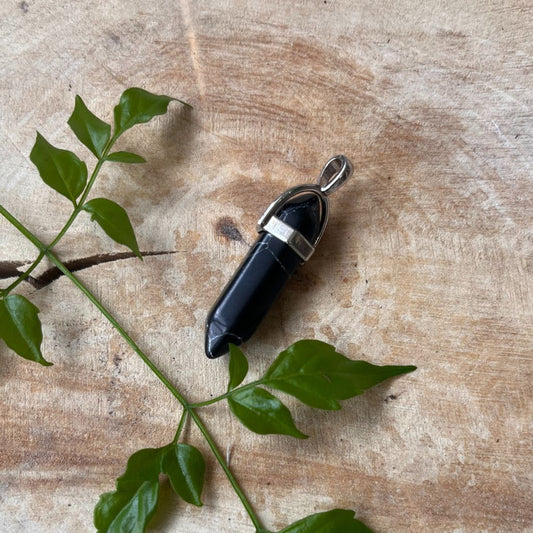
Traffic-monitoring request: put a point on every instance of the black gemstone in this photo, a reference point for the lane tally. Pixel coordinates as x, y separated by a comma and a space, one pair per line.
265, 270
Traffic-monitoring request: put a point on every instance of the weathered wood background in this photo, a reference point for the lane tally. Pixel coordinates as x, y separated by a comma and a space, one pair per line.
427, 259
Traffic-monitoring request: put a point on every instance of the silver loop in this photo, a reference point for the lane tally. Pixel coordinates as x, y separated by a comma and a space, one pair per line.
335, 172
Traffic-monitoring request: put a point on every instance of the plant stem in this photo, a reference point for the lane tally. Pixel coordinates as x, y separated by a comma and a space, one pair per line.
86, 191
229, 474
74, 214
53, 258
181, 425
119, 328
188, 408
227, 394
26, 232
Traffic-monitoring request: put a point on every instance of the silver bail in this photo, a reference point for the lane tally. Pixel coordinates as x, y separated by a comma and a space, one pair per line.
335, 172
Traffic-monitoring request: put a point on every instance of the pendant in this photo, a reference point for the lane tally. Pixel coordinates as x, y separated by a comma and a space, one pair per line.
289, 232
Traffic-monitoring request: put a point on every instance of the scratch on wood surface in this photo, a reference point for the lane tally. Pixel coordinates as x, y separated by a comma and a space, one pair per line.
9, 269
229, 449
497, 127
193, 46
120, 79
12, 142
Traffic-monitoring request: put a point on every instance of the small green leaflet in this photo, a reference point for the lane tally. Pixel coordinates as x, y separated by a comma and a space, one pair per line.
318, 376
60, 169
142, 465
89, 129
335, 521
120, 512
185, 467
20, 327
125, 157
263, 413
114, 221
238, 367
137, 106
133, 503
109, 507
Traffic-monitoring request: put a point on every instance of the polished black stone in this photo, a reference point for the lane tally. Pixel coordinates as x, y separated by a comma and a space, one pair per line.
250, 293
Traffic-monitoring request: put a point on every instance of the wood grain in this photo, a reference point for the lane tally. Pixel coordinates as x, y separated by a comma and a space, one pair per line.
427, 260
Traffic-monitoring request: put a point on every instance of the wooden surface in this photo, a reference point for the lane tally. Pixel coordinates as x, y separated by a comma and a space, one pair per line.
427, 259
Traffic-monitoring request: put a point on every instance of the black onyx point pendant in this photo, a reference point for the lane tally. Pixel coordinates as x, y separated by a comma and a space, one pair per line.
289, 232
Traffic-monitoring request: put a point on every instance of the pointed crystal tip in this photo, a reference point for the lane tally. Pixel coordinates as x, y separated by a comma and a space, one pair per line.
217, 339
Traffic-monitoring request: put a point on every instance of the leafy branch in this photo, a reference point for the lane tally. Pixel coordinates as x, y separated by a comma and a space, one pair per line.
311, 371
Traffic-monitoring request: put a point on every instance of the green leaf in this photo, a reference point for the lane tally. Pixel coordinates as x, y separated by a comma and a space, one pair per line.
108, 507
114, 221
335, 521
125, 157
134, 516
238, 367
263, 413
60, 169
125, 512
88, 128
142, 465
317, 375
132, 504
185, 467
20, 327
137, 106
